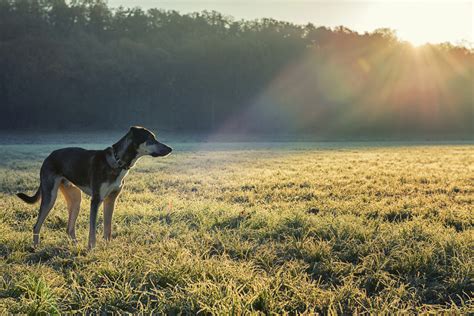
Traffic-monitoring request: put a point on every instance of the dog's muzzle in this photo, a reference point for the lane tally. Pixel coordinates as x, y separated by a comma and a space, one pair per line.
164, 150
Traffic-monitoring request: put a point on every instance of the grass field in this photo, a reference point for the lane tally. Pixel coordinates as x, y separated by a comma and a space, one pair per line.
265, 228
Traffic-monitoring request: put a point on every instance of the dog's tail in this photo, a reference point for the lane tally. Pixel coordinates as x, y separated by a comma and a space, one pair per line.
30, 199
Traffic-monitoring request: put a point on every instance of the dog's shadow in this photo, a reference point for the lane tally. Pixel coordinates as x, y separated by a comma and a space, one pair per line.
59, 257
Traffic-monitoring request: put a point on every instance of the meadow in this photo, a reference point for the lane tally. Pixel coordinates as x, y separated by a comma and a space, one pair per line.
264, 228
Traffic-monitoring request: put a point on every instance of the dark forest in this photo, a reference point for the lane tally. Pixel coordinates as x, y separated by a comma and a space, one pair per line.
82, 65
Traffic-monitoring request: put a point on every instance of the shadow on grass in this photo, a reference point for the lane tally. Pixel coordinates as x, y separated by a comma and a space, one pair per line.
57, 257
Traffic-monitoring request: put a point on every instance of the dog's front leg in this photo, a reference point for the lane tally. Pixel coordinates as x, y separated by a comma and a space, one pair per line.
96, 201
109, 204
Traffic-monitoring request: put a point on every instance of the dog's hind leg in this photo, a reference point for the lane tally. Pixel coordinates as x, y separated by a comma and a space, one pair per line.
49, 192
73, 199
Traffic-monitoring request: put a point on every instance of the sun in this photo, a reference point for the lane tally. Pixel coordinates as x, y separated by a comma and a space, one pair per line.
424, 22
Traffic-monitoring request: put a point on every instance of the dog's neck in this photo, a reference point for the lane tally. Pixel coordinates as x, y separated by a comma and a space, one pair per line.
122, 154
114, 160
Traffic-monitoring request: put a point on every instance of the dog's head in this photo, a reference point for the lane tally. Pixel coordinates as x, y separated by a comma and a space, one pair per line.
145, 142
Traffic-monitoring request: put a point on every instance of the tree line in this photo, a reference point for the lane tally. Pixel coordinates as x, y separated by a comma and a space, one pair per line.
82, 65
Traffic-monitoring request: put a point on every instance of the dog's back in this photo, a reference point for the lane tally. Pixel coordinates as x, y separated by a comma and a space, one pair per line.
72, 163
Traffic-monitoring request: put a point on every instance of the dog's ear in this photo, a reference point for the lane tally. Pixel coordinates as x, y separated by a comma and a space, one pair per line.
134, 129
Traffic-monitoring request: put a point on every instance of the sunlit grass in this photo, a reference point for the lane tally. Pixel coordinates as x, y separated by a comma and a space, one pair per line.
329, 229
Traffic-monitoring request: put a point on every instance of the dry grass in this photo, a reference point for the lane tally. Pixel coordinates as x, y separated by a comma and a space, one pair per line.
326, 230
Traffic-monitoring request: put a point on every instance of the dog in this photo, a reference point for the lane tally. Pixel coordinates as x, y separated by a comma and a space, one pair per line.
97, 173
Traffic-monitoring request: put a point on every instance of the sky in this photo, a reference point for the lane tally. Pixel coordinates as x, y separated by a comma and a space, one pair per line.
417, 21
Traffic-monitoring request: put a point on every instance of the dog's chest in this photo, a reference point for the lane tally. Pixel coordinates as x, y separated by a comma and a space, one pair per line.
107, 187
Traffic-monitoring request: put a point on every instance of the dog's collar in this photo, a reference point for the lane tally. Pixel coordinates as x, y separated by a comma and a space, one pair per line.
115, 161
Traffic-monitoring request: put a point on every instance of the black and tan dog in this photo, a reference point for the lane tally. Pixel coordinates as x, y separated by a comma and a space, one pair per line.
98, 173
